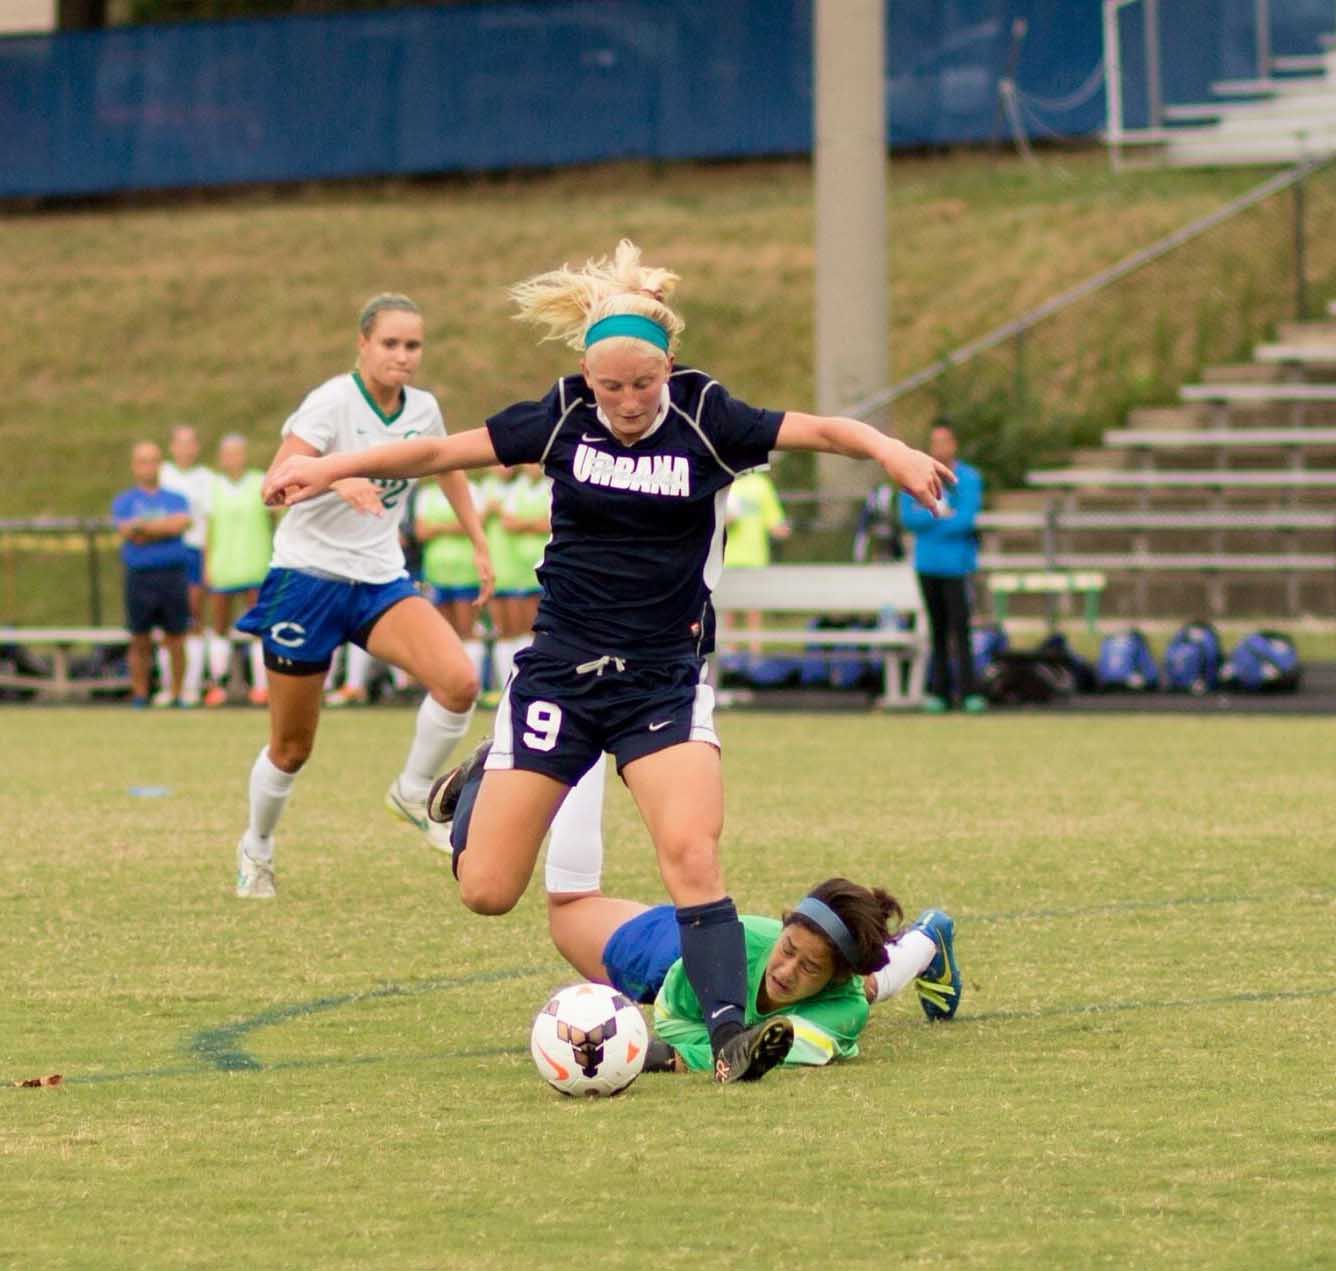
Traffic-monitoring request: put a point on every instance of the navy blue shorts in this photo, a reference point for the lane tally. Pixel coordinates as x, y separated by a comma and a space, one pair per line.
301, 618
639, 953
195, 566
157, 598
558, 715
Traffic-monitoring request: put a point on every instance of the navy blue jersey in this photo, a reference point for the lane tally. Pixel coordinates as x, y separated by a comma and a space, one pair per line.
637, 531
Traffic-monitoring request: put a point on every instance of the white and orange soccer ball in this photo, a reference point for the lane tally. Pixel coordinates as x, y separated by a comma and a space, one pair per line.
589, 1040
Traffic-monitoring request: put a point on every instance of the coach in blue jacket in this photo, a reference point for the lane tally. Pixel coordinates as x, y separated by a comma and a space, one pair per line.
945, 556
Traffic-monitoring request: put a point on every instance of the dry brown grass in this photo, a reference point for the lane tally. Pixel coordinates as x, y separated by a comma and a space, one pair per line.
225, 313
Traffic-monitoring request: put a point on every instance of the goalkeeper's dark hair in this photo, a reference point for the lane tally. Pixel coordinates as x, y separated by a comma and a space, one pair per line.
871, 914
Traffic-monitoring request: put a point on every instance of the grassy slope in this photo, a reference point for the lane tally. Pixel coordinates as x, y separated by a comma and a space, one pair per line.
1135, 1079
224, 314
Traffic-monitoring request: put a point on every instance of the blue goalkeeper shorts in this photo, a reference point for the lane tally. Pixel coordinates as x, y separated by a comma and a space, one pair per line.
640, 952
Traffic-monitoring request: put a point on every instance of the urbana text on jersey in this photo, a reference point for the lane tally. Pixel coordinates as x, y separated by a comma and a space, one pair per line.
649, 474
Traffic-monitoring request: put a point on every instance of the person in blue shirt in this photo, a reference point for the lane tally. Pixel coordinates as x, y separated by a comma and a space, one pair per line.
152, 522
641, 452
945, 557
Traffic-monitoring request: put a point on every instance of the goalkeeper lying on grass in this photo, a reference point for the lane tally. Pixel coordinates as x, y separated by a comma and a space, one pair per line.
813, 973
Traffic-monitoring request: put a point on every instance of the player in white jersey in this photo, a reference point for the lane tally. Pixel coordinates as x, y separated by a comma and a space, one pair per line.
337, 574
193, 481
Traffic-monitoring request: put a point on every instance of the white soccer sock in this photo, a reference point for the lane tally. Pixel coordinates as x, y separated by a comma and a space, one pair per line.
220, 655
503, 658
909, 956
358, 671
434, 737
575, 850
477, 655
269, 790
164, 668
194, 672
259, 676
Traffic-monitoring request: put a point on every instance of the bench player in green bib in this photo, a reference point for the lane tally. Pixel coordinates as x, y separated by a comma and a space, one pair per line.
238, 543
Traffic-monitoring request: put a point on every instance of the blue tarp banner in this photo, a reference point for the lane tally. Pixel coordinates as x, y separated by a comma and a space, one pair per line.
518, 85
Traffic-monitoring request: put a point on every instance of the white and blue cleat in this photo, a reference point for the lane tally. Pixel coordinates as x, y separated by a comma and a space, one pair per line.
939, 986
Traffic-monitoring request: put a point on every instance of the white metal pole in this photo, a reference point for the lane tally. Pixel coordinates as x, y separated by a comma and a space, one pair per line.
1113, 84
1262, 18
852, 305
1154, 86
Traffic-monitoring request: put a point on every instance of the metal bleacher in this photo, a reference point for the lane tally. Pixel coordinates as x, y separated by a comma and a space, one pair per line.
1224, 506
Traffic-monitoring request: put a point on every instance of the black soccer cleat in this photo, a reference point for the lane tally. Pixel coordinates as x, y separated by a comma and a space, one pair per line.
443, 797
751, 1054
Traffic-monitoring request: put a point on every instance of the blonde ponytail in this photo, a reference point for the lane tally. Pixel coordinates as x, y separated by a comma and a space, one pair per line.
566, 302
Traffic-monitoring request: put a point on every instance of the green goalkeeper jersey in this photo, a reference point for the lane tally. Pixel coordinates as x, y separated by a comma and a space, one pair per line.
825, 1026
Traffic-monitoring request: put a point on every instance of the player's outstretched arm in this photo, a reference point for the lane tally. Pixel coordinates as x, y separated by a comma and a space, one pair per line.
920, 475
298, 478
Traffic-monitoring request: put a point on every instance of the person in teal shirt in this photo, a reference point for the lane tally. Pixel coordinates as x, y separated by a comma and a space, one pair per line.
945, 556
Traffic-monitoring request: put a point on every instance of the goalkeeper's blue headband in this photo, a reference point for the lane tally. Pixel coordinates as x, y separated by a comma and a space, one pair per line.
827, 920
631, 324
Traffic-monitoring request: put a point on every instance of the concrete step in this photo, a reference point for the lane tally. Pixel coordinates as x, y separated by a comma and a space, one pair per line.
1098, 457
1230, 153
1258, 393
1298, 354
1310, 440
1018, 501
1185, 416
1315, 331
1243, 373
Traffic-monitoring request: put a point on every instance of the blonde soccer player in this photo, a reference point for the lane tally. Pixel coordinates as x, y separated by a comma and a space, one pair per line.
641, 453
337, 574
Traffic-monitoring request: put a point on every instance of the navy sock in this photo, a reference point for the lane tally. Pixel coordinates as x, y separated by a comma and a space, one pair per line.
714, 956
459, 824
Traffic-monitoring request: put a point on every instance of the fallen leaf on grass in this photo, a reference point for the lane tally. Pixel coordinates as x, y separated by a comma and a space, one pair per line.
53, 1080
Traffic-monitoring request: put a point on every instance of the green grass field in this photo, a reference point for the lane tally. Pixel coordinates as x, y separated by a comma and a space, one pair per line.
1140, 1075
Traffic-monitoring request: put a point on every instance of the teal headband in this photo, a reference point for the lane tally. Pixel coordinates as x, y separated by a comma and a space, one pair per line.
631, 324
827, 920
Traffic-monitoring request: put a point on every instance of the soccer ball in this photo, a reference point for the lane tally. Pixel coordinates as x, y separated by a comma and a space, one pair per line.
589, 1040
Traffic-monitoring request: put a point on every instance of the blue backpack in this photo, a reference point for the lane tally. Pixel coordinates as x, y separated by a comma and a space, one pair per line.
1264, 662
986, 643
1192, 660
1126, 663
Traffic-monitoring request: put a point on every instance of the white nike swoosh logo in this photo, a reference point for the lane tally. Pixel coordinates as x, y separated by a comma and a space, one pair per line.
654, 728
584, 436
719, 1012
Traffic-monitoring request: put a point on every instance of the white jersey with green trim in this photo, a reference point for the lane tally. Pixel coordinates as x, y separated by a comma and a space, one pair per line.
327, 535
194, 485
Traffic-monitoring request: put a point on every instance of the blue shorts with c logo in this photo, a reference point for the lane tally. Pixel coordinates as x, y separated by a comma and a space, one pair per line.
639, 953
302, 618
